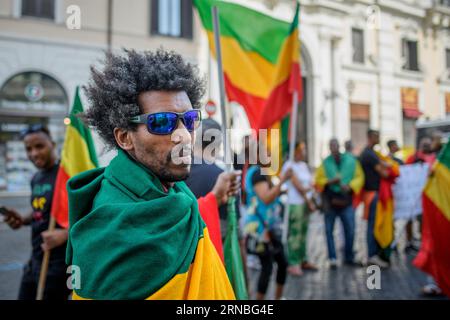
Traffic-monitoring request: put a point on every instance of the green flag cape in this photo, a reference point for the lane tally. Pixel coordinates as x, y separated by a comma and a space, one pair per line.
346, 170
127, 235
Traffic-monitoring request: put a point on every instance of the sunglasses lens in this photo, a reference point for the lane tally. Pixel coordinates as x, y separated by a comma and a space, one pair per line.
192, 120
31, 129
162, 123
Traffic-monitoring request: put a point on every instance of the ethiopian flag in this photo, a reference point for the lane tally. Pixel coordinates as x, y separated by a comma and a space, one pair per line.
133, 239
384, 218
434, 254
78, 155
260, 59
233, 257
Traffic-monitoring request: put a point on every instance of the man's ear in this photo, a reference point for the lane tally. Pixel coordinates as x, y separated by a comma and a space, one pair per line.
123, 139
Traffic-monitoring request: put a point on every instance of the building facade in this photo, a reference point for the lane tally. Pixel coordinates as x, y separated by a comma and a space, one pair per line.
43, 58
371, 63
382, 64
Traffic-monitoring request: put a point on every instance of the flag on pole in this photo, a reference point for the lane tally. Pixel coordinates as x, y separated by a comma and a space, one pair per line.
434, 254
78, 155
232, 253
384, 218
261, 60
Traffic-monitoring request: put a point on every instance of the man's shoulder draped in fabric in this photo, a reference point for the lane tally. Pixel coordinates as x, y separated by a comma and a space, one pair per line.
131, 239
346, 169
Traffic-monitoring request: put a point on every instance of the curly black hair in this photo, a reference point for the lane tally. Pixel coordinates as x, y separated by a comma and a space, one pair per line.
113, 92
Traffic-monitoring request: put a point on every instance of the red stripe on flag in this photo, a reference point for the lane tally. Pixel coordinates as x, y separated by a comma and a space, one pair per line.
279, 104
434, 254
60, 210
209, 211
296, 80
253, 106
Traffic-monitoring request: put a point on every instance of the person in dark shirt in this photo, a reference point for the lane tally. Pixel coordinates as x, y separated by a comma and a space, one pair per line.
40, 150
374, 169
204, 168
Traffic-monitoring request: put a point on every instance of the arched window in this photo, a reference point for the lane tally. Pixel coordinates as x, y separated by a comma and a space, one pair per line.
25, 99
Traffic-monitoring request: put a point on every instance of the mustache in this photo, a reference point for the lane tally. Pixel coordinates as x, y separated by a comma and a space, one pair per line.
180, 151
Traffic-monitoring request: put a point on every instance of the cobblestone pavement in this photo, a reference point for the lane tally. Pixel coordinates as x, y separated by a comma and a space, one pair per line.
401, 281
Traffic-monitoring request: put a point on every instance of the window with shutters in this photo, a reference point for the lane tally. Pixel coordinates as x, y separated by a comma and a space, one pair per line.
39, 8
447, 61
172, 18
358, 45
410, 55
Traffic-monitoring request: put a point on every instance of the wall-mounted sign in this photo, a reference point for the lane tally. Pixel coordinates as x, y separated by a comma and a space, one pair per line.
34, 92
210, 108
410, 98
410, 103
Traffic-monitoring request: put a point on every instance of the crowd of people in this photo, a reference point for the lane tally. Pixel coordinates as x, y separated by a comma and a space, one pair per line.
341, 183
136, 230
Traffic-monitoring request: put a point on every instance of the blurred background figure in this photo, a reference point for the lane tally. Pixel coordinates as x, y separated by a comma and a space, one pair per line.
40, 149
300, 205
205, 171
436, 142
424, 153
263, 226
206, 167
339, 178
349, 147
393, 149
374, 169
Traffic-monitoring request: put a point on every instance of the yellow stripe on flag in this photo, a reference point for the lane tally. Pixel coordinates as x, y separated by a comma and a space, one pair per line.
384, 223
249, 71
75, 154
205, 280
434, 189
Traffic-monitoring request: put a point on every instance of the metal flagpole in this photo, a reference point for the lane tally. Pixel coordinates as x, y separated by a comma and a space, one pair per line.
224, 114
292, 142
231, 239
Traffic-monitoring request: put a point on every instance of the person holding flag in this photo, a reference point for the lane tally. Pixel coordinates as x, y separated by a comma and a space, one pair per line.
135, 227
41, 151
205, 171
380, 173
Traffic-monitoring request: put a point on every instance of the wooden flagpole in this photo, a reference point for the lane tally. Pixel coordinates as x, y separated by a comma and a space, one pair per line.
44, 265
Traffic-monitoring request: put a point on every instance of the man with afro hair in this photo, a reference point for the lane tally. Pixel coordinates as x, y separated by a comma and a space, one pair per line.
135, 227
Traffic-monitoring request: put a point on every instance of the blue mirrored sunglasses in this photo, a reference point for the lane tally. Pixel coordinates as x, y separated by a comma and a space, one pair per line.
163, 123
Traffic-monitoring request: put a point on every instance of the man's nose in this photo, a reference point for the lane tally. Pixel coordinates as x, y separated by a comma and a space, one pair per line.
33, 153
181, 134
